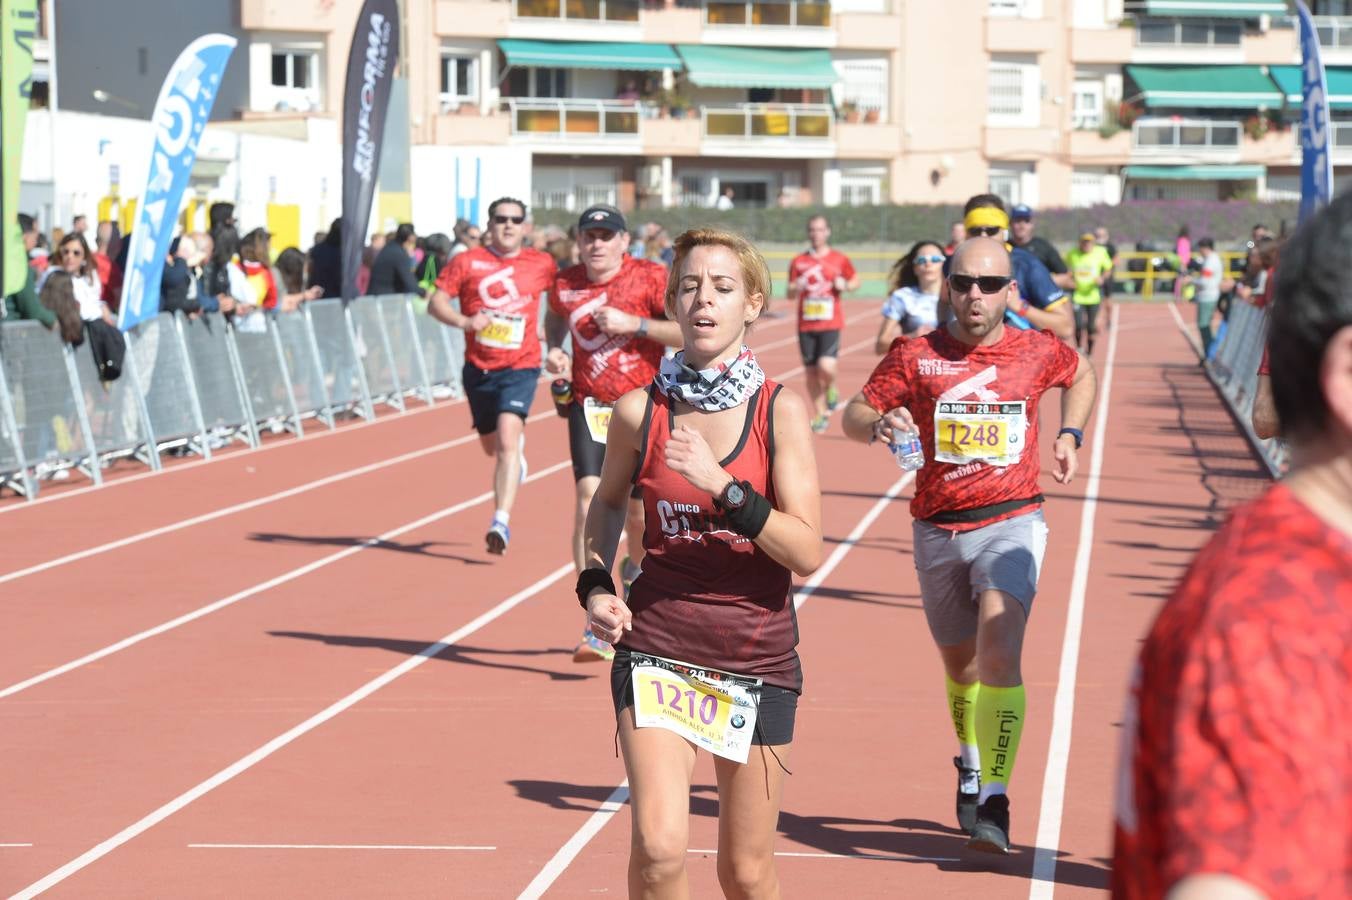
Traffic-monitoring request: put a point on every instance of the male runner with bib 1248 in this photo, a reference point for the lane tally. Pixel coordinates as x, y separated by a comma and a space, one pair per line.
499, 286
705, 646
972, 389
818, 279
612, 305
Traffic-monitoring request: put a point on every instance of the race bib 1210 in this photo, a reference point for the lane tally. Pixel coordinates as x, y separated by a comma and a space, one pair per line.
712, 709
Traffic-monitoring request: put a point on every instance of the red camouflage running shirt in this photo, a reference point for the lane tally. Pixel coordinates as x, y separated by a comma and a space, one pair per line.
975, 404
1237, 744
508, 289
608, 366
819, 303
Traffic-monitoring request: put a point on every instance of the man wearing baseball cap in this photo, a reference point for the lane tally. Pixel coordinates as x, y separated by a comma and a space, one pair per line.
613, 306
1089, 266
1021, 228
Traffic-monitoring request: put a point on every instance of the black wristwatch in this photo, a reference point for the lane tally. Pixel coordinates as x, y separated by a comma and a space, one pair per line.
733, 497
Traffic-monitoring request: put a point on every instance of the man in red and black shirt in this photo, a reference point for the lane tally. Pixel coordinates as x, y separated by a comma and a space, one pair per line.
499, 286
614, 308
818, 280
971, 391
1236, 772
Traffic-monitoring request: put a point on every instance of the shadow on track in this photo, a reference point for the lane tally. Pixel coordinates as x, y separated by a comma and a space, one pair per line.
456, 653
420, 548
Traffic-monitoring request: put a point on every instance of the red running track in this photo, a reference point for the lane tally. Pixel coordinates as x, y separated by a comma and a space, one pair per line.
256, 702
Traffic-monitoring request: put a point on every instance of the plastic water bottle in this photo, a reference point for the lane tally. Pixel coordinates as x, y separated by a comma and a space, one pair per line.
907, 450
562, 391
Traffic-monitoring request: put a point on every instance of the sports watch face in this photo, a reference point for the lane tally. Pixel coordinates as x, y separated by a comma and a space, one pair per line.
734, 495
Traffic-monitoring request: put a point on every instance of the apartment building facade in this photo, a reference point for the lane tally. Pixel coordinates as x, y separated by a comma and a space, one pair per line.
654, 103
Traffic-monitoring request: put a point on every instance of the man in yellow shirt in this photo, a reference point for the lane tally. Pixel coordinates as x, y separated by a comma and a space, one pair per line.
1089, 267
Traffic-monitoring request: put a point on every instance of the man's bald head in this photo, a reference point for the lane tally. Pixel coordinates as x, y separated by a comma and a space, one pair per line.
980, 256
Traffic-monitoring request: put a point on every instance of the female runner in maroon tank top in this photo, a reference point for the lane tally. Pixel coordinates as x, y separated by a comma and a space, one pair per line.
725, 464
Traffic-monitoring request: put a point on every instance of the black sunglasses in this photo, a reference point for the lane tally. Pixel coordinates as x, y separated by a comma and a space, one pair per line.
989, 284
984, 231
503, 220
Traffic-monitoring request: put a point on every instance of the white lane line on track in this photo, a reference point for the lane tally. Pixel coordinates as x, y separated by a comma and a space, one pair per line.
289, 576
869, 856
247, 505
569, 851
595, 822
264, 586
1063, 708
16, 845
247, 762
1183, 327
337, 847
274, 497
246, 454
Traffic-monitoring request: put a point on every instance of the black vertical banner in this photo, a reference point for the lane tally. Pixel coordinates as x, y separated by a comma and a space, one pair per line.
370, 72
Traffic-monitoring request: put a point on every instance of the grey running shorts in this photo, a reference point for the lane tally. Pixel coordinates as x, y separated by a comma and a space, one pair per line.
955, 567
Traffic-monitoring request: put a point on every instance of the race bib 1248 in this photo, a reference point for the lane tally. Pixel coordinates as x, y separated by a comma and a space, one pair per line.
968, 431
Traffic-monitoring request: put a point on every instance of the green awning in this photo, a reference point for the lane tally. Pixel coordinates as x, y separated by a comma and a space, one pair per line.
1205, 87
757, 67
1194, 173
1339, 85
589, 55
1209, 9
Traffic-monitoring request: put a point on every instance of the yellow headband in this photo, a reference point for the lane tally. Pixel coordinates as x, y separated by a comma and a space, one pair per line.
985, 217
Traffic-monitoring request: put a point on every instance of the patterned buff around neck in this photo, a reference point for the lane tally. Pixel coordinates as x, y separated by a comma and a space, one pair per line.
728, 384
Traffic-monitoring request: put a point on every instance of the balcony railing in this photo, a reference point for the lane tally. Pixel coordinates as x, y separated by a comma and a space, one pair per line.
781, 13
1335, 32
1341, 140
1165, 136
574, 120
1192, 35
770, 121
578, 10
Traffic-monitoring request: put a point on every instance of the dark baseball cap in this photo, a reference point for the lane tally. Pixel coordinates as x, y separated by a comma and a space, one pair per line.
1022, 211
602, 216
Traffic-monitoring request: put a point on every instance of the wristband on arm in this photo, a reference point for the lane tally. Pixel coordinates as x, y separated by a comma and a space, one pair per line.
1076, 433
591, 579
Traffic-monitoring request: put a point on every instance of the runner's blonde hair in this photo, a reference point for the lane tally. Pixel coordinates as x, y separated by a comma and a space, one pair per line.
755, 271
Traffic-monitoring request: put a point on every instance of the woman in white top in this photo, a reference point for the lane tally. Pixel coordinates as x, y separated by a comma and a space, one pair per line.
913, 306
74, 258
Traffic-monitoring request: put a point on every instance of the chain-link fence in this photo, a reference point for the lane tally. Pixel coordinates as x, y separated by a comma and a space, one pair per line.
191, 385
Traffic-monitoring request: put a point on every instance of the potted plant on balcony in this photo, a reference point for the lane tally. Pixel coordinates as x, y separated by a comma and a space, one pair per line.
849, 111
1257, 126
872, 116
674, 103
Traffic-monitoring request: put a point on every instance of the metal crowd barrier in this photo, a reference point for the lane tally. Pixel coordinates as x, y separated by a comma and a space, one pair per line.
1233, 368
190, 386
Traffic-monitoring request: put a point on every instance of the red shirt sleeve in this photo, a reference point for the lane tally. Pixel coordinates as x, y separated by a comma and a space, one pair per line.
1263, 367
555, 304
451, 277
1062, 363
657, 292
889, 385
846, 267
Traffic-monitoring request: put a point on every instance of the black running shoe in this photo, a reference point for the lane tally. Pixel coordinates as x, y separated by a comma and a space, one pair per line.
969, 779
990, 834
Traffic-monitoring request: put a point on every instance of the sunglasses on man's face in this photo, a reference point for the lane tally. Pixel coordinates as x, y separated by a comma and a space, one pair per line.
988, 284
503, 220
932, 258
985, 231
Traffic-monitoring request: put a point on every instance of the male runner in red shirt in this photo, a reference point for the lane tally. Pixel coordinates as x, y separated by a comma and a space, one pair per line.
817, 280
613, 307
499, 286
971, 388
1236, 772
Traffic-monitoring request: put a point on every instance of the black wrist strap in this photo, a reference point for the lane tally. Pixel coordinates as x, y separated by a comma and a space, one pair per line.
749, 520
591, 579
